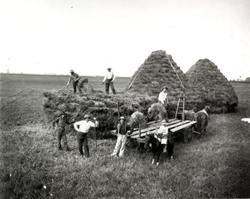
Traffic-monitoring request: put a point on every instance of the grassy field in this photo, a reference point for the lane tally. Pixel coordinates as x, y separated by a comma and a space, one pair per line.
216, 165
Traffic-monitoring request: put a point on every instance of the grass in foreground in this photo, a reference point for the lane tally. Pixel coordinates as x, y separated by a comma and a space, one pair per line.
216, 165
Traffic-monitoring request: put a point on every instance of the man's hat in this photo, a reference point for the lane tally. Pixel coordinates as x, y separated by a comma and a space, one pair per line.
60, 112
165, 87
109, 68
71, 71
86, 116
122, 117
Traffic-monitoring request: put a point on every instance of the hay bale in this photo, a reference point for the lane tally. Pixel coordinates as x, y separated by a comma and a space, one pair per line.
157, 112
137, 120
212, 86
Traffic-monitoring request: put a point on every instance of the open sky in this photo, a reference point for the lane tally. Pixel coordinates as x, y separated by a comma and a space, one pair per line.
54, 36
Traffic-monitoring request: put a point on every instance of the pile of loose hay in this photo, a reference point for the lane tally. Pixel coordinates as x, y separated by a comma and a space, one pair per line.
157, 72
102, 106
212, 86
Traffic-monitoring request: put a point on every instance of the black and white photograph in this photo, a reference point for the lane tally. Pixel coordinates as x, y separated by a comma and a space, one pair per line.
118, 99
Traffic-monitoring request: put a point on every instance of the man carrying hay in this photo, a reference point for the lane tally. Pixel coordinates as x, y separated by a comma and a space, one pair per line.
121, 138
76, 81
60, 123
109, 81
83, 127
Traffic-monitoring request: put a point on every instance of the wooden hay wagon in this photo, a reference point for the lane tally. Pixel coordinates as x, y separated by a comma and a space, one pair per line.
174, 126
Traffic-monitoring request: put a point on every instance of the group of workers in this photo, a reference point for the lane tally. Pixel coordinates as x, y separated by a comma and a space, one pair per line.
83, 127
161, 140
78, 82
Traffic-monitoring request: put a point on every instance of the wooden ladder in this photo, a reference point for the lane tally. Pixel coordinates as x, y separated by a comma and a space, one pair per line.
181, 107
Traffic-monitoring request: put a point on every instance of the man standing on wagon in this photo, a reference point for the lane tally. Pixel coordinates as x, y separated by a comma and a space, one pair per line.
109, 81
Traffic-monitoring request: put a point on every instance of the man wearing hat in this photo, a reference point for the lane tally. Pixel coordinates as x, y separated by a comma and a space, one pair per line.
74, 78
109, 81
121, 138
60, 123
83, 127
163, 98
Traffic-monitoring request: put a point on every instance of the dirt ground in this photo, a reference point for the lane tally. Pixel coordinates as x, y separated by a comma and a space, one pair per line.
216, 165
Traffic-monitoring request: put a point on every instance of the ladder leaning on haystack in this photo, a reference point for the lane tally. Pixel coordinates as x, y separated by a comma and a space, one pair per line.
182, 97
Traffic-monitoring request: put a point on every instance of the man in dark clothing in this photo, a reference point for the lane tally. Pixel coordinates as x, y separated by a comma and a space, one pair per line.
60, 122
75, 79
122, 130
159, 140
109, 81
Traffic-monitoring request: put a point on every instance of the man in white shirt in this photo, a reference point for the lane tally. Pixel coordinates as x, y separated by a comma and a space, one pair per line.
109, 81
163, 99
83, 127
163, 96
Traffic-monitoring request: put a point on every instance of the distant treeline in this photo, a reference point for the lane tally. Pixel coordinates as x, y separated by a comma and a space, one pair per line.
240, 81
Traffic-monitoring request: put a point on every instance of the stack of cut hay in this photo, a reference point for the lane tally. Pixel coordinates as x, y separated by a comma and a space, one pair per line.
157, 72
212, 86
99, 105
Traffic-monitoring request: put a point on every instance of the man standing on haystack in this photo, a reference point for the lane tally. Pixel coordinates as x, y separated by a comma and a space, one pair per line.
75, 79
83, 127
109, 81
60, 124
163, 98
122, 129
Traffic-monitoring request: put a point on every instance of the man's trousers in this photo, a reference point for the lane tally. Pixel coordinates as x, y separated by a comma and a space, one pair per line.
109, 83
120, 145
82, 139
61, 134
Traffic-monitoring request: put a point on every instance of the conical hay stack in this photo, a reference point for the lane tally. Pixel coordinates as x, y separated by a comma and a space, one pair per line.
160, 70
212, 86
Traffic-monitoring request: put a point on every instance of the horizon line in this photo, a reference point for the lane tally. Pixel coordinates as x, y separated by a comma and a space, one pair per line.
54, 74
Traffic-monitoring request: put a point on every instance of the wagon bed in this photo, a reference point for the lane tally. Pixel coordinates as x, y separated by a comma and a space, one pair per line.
173, 125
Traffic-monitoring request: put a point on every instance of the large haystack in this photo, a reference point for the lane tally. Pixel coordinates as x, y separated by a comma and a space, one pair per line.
212, 86
102, 106
160, 70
